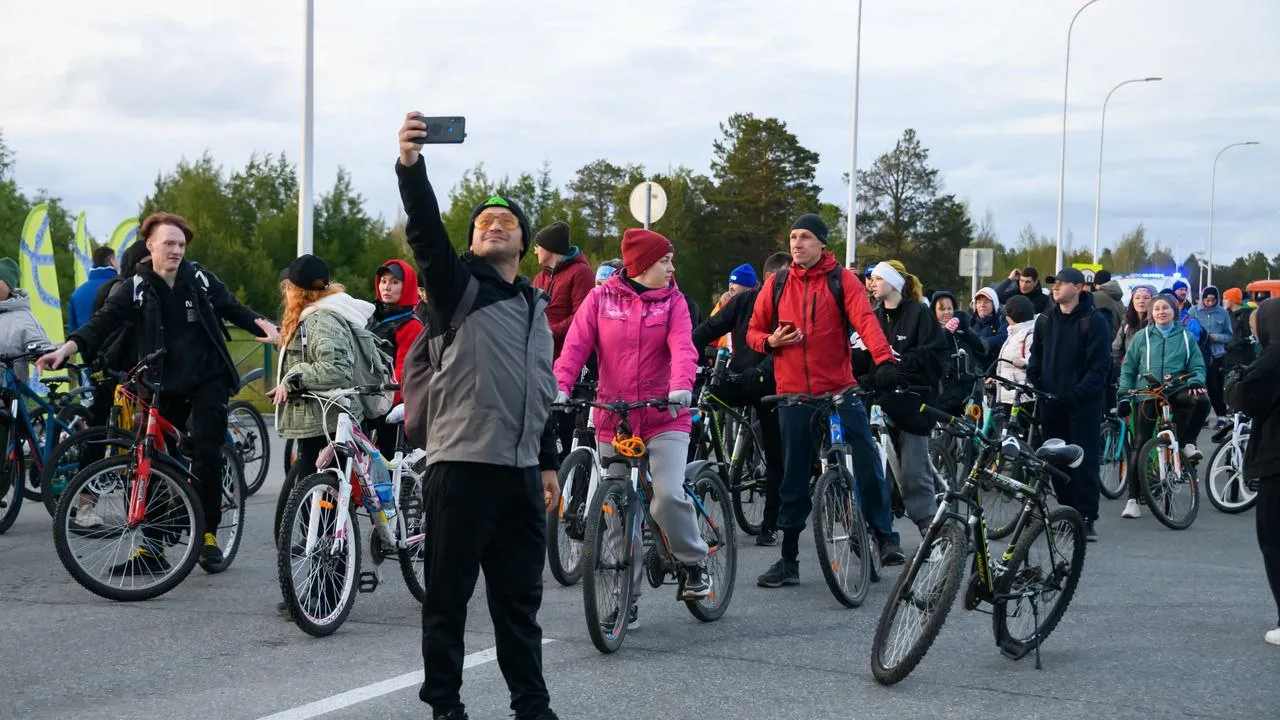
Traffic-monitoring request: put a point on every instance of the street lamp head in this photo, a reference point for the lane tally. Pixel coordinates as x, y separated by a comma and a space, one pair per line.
1253, 142
1152, 79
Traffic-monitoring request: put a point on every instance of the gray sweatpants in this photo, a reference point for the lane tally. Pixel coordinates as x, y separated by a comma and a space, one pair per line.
671, 507
917, 483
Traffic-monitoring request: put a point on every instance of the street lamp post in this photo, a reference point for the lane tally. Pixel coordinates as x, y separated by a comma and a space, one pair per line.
1062, 160
305, 170
851, 237
1097, 200
1213, 191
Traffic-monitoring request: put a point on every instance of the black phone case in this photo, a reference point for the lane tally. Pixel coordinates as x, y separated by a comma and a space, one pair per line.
443, 130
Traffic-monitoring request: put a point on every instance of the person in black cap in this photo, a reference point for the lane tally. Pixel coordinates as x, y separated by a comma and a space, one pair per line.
488, 435
175, 305
1071, 358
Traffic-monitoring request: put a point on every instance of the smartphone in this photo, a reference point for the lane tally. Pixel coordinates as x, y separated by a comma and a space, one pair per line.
443, 130
786, 325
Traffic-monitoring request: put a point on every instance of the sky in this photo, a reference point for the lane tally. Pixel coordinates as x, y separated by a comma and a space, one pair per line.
96, 99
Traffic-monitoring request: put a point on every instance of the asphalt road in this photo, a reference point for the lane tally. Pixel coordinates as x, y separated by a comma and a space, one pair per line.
1164, 625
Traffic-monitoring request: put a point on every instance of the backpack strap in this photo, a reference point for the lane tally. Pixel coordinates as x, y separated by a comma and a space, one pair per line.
464, 307
779, 284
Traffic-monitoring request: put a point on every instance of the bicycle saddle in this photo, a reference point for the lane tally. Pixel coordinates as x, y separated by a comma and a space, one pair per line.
1059, 454
396, 416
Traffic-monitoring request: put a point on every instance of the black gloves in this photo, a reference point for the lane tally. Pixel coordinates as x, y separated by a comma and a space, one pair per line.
887, 376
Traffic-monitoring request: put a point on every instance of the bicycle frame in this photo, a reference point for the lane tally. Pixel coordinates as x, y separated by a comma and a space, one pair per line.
19, 395
154, 432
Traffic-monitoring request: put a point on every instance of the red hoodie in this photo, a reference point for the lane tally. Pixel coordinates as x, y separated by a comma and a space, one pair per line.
820, 363
390, 320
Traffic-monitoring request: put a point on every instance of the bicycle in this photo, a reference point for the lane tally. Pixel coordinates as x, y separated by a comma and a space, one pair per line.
144, 502
620, 526
318, 546
1163, 476
1016, 420
843, 542
579, 476
1116, 447
1227, 488
919, 603
743, 461
32, 425
247, 432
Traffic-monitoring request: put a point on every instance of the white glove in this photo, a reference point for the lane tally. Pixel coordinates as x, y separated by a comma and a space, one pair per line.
679, 400
561, 398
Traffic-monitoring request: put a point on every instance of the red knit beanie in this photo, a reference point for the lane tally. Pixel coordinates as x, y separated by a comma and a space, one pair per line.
641, 249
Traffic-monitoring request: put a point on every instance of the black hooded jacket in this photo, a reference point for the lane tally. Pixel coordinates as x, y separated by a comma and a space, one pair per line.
196, 354
1071, 354
1240, 351
1258, 394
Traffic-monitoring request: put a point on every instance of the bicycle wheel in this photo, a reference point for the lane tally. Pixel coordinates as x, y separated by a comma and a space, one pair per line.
319, 584
608, 564
114, 559
1112, 460
73, 454
1227, 490
1036, 587
1000, 509
715, 523
289, 455
253, 445
840, 538
1172, 496
918, 605
942, 454
231, 528
413, 558
749, 486
10, 495
566, 524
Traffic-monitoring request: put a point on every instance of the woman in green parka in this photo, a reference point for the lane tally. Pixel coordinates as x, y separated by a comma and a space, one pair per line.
1164, 349
318, 352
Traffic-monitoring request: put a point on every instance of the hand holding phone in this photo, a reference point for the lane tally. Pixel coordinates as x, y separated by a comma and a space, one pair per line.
419, 130
785, 334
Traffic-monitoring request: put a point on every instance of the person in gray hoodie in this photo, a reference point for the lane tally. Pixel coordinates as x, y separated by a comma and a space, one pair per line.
1107, 297
18, 327
1216, 321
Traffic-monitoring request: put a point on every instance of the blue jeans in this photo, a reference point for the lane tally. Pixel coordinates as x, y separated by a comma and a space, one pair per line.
796, 422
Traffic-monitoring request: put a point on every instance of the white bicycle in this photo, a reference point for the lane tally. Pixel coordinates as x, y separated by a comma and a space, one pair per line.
579, 476
1228, 490
318, 555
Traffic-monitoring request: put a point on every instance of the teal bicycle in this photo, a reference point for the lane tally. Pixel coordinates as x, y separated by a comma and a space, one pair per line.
31, 426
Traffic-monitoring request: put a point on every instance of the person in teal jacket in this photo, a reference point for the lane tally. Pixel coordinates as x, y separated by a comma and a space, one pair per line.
1165, 348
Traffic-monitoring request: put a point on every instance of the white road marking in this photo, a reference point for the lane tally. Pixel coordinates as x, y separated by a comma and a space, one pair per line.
378, 689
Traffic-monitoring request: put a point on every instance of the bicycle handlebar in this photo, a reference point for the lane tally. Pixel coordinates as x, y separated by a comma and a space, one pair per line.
807, 398
616, 407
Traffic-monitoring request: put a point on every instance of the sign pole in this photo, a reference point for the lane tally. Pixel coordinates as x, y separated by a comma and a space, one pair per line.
648, 203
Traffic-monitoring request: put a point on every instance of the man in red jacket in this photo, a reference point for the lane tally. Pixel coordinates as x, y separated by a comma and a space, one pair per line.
395, 286
808, 336
567, 277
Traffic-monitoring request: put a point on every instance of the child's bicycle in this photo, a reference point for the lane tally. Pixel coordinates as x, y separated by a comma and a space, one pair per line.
318, 548
622, 541
131, 526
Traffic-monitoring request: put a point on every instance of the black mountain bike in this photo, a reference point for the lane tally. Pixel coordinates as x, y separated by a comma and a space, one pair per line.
731, 437
1029, 586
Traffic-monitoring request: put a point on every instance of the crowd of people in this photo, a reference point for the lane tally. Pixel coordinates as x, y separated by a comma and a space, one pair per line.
504, 349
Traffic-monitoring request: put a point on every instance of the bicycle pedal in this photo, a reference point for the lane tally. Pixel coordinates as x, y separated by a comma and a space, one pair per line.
368, 581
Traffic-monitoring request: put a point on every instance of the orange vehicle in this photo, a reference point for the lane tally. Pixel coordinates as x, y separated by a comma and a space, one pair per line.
1260, 290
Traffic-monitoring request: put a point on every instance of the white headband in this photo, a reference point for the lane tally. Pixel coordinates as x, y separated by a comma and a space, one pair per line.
886, 272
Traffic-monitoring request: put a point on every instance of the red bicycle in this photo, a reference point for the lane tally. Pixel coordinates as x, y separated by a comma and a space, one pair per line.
130, 526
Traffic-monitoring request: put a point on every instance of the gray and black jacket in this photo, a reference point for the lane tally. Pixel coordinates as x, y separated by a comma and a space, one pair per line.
490, 400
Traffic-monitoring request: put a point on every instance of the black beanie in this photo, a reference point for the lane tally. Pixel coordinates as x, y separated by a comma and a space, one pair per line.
813, 224
554, 237
499, 201
1019, 308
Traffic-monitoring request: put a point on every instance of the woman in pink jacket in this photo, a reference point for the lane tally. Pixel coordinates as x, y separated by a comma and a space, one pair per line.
638, 325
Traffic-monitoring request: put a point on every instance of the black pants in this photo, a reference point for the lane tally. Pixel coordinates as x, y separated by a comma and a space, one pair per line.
205, 407
304, 464
104, 396
488, 517
1079, 424
770, 439
1268, 514
383, 434
1189, 413
1214, 378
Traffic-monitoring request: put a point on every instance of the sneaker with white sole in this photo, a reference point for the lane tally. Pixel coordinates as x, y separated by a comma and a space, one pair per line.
1131, 510
1191, 453
1273, 636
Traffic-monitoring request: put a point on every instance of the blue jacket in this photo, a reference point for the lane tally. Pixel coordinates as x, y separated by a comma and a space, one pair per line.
1071, 354
1217, 322
82, 298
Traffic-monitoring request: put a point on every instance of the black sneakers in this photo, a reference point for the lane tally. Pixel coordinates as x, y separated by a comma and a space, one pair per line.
142, 562
210, 552
633, 618
1090, 535
891, 554
767, 538
697, 583
783, 572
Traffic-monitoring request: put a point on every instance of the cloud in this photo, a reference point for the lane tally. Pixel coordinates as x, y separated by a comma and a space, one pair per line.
98, 101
